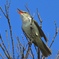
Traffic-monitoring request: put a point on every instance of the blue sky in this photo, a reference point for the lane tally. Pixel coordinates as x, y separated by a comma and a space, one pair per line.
49, 12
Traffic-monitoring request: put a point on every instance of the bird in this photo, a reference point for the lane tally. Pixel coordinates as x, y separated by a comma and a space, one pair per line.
34, 32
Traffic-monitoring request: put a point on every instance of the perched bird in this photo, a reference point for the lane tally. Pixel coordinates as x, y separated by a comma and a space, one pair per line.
33, 31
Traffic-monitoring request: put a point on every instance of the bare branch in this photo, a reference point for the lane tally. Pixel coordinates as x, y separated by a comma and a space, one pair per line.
4, 46
8, 3
0, 16
7, 40
22, 53
7, 6
3, 12
19, 42
39, 18
8, 20
26, 6
32, 54
20, 48
29, 48
56, 32
57, 55
5, 52
1, 56
38, 53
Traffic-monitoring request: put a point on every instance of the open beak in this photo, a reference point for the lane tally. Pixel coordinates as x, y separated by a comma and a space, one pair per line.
20, 11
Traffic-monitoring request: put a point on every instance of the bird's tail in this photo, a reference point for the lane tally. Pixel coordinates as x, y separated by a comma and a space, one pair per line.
45, 50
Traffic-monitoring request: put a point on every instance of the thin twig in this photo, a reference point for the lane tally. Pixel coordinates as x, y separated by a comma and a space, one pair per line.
19, 42
57, 55
1, 56
22, 48
4, 45
38, 15
22, 53
26, 6
38, 53
18, 52
32, 54
3, 12
56, 32
8, 43
8, 19
29, 48
4, 51
0, 16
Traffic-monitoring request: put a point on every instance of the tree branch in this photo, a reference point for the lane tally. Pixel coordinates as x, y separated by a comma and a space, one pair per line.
4, 45
56, 32
8, 20
29, 48
26, 6
38, 15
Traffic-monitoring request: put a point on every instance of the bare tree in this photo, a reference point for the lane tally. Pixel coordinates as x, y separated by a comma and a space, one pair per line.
21, 49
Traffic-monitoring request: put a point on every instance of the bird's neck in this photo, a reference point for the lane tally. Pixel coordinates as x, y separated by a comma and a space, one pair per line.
26, 22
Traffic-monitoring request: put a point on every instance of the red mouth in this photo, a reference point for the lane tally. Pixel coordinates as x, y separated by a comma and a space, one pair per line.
20, 11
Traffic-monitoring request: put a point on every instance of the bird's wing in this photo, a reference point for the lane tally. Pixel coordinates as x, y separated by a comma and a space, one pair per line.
40, 31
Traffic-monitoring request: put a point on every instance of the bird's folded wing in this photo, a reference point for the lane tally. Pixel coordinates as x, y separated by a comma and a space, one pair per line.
40, 31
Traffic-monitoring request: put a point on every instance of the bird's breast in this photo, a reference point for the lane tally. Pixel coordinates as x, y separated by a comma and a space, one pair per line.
31, 30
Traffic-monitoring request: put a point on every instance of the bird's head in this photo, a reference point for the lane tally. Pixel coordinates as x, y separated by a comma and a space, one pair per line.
24, 15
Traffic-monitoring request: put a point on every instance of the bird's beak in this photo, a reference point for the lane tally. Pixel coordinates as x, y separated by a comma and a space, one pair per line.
20, 11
